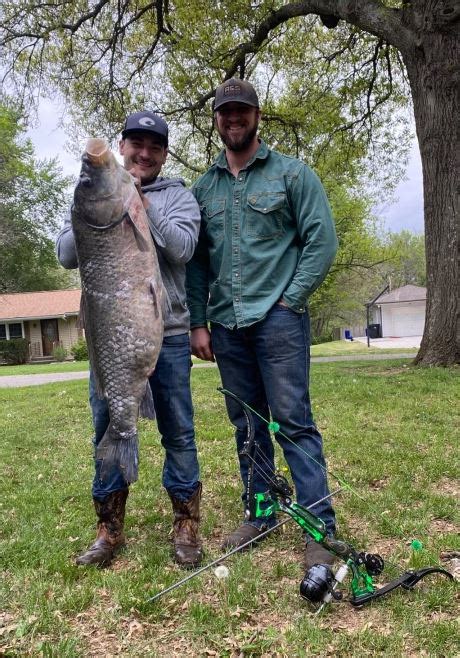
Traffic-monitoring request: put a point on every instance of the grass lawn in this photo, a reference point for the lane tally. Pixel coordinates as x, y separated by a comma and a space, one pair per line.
347, 347
39, 368
335, 348
390, 430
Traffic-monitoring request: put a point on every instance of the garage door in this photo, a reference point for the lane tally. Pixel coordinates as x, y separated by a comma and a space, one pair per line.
403, 321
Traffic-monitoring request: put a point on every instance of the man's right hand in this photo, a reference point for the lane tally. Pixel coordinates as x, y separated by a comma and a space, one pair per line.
200, 341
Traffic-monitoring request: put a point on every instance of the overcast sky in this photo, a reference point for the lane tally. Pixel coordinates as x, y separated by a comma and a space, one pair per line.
406, 212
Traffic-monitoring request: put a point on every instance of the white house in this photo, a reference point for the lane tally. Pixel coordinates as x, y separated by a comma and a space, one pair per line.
401, 312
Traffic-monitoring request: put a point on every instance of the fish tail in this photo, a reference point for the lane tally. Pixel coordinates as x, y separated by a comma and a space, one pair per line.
119, 454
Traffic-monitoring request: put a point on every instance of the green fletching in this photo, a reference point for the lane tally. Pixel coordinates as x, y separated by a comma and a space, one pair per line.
416, 545
273, 427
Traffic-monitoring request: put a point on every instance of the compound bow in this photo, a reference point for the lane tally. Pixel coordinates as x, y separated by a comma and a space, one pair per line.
320, 584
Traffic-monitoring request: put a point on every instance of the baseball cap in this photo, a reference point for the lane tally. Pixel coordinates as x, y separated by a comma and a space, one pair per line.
235, 91
146, 122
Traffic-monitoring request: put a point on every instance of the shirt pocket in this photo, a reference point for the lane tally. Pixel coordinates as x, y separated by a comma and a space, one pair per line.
265, 215
213, 215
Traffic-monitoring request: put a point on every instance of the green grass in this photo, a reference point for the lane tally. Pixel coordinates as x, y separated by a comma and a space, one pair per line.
390, 430
335, 348
347, 347
39, 368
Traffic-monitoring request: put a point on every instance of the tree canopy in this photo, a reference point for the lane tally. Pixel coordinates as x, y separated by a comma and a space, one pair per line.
328, 95
33, 195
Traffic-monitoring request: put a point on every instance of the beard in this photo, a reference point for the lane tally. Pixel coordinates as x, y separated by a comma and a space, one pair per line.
239, 143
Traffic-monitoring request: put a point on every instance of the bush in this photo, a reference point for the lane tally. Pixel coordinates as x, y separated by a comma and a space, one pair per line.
59, 353
14, 351
80, 350
324, 338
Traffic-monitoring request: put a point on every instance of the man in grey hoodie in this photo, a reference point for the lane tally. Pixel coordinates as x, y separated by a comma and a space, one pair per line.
174, 218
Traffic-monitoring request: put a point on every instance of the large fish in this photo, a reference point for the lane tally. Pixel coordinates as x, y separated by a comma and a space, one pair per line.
122, 297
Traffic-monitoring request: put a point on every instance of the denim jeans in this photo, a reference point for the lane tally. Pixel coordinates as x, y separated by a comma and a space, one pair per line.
170, 384
267, 366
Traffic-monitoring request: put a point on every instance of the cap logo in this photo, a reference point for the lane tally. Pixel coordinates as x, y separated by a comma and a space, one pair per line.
232, 89
146, 121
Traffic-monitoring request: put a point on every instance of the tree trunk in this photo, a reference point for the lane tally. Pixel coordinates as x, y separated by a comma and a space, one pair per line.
431, 67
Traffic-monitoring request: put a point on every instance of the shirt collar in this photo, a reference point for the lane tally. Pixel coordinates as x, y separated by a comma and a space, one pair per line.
261, 154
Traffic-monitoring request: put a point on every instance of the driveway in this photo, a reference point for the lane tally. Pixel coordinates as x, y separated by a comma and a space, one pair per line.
404, 342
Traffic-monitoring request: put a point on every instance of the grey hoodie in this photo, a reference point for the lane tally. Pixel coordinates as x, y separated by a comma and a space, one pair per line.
174, 218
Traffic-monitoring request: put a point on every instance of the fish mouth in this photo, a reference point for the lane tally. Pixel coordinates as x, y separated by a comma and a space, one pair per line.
98, 152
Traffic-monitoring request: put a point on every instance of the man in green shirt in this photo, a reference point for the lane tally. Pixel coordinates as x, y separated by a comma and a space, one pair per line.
267, 241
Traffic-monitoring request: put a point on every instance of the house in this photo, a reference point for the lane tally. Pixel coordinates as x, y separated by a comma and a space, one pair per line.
401, 312
45, 319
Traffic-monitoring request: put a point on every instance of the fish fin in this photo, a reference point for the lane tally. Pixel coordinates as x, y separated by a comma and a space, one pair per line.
84, 316
161, 300
119, 455
142, 243
147, 406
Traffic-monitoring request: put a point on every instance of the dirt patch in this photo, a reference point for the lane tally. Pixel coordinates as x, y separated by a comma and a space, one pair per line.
387, 372
451, 561
442, 526
379, 483
448, 487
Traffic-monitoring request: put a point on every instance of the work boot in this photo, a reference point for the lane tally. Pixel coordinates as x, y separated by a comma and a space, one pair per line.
242, 535
187, 545
316, 554
110, 538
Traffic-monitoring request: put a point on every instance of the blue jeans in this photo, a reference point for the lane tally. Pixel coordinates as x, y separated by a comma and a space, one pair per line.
170, 384
267, 366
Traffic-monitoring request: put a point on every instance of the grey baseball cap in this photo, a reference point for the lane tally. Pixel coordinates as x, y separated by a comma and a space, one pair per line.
146, 122
235, 91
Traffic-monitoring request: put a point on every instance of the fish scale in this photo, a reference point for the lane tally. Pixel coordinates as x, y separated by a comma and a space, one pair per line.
122, 298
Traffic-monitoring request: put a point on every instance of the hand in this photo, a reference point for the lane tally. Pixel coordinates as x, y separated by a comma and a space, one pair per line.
281, 302
200, 341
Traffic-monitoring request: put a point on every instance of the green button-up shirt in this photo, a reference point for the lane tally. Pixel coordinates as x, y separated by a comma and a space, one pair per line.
265, 234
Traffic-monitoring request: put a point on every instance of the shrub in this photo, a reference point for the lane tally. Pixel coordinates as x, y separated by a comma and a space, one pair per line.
14, 351
59, 353
80, 350
324, 338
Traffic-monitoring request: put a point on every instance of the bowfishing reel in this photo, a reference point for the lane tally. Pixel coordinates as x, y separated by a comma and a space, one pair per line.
317, 583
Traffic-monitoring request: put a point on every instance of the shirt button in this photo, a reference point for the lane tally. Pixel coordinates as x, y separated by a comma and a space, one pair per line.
237, 299
236, 275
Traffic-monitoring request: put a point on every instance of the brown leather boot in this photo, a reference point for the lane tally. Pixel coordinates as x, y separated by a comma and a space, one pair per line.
187, 545
242, 535
110, 538
317, 554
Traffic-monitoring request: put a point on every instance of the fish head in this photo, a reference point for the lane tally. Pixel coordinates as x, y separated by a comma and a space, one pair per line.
104, 188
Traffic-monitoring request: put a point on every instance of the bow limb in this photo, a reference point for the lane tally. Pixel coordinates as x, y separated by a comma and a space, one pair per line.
407, 580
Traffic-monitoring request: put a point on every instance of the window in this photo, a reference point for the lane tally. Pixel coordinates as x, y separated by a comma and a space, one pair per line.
15, 330
2, 331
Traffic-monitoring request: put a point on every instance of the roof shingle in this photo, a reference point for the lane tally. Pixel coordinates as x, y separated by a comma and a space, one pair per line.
46, 304
407, 293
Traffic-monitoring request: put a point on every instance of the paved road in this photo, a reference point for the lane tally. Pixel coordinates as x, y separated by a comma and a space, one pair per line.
16, 381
